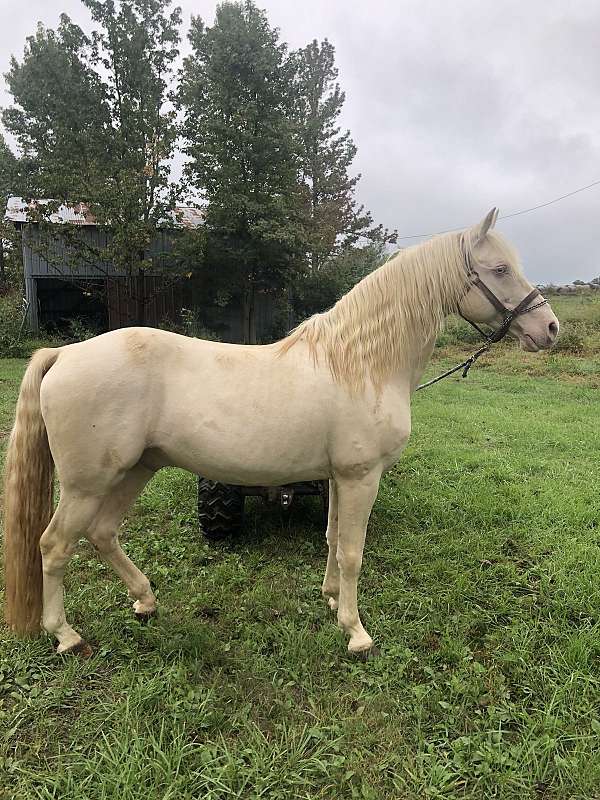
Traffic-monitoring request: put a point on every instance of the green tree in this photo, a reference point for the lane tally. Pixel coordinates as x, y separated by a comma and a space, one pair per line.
9, 251
237, 95
93, 119
334, 221
319, 289
60, 119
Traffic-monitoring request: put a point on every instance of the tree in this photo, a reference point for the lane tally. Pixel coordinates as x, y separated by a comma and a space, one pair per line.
320, 288
61, 120
334, 220
237, 95
8, 182
93, 121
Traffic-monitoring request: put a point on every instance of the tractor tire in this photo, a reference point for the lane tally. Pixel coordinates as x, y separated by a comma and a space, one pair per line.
220, 509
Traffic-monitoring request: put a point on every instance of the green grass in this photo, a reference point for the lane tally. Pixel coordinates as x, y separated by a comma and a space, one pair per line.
481, 585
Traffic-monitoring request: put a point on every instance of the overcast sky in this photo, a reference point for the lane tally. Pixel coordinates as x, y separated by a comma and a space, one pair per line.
454, 106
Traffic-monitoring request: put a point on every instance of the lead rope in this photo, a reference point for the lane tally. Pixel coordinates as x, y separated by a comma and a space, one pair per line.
465, 366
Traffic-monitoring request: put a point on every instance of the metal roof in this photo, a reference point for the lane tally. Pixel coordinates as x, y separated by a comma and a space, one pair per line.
19, 210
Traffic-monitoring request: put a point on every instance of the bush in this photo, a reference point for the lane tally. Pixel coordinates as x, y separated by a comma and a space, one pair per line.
571, 338
80, 329
11, 326
190, 324
458, 332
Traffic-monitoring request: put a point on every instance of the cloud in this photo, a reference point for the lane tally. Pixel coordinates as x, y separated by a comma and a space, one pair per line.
455, 107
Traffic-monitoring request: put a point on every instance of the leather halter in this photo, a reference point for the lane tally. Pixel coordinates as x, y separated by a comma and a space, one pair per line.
508, 314
508, 317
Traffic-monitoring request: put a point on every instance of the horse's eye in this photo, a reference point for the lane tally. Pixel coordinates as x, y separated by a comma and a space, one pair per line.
501, 270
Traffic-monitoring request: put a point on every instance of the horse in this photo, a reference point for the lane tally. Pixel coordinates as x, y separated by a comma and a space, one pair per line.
332, 400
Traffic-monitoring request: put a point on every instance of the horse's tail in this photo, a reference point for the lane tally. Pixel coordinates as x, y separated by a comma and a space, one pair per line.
27, 501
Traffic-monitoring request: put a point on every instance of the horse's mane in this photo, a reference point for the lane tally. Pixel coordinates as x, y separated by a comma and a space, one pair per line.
377, 327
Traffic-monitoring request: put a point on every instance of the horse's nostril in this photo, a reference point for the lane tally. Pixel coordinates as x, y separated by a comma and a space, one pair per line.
553, 328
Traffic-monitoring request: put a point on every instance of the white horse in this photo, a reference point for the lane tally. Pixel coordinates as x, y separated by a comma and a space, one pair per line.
332, 400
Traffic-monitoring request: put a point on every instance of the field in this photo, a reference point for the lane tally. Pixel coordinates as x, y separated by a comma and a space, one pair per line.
481, 585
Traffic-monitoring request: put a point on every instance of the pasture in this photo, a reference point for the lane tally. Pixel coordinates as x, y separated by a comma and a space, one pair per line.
481, 586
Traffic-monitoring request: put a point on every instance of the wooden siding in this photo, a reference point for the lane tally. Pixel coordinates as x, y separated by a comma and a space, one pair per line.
59, 264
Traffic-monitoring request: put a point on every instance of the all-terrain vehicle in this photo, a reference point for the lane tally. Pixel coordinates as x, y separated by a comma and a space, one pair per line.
221, 506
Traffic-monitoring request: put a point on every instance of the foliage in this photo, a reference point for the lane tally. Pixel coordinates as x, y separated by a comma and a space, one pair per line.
11, 321
236, 94
480, 584
95, 120
79, 330
334, 221
456, 331
91, 117
190, 324
571, 340
318, 290
8, 170
60, 120
10, 250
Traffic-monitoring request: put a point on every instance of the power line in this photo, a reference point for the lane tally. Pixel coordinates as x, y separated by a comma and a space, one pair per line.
512, 214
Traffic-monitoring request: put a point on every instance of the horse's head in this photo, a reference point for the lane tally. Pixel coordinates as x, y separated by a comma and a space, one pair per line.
498, 287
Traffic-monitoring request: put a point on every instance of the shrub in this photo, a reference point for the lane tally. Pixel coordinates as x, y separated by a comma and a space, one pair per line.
190, 324
571, 339
457, 332
80, 329
11, 326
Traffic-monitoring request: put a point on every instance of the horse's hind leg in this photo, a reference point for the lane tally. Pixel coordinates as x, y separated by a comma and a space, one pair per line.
331, 581
72, 518
103, 534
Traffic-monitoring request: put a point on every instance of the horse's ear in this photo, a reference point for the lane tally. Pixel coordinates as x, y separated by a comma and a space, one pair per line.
479, 231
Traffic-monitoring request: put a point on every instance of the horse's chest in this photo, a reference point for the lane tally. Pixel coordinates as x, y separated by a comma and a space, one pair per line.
392, 434
376, 440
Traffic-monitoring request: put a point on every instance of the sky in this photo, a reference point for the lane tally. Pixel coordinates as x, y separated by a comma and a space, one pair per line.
455, 106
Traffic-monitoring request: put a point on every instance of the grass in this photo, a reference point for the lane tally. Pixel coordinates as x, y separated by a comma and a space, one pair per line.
481, 585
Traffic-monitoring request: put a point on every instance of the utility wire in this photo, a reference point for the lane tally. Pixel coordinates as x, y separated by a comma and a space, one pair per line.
512, 214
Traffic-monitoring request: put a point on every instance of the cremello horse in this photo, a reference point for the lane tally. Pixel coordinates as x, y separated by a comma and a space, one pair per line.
332, 400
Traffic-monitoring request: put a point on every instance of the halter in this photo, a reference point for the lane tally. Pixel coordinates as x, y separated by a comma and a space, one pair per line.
508, 317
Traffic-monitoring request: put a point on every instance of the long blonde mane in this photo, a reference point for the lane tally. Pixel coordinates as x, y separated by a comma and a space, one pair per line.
384, 321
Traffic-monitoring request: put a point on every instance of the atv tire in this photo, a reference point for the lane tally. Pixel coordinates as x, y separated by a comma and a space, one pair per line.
220, 509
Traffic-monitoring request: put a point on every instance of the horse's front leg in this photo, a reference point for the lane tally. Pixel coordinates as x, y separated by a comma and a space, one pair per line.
355, 501
331, 581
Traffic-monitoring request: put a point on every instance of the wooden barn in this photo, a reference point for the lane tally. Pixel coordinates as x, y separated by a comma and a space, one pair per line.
60, 290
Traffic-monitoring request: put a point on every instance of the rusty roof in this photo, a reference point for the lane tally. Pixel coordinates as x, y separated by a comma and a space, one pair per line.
21, 210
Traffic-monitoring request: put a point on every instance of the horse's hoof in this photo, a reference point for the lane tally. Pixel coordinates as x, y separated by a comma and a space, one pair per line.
145, 616
366, 655
82, 650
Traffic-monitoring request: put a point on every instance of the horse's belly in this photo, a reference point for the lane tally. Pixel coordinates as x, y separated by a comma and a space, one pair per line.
247, 437
250, 460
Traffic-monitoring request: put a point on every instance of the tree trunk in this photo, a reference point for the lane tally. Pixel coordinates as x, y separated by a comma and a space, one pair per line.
139, 285
139, 299
249, 315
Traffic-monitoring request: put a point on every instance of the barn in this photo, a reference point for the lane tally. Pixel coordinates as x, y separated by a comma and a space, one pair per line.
59, 289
